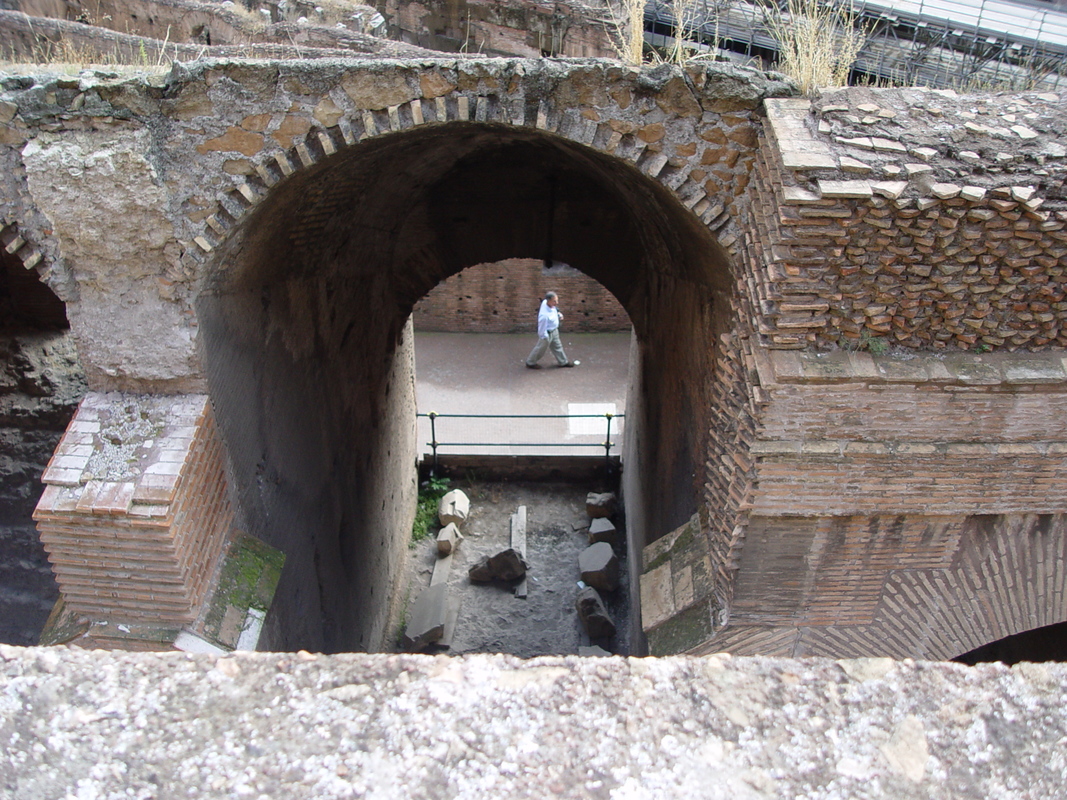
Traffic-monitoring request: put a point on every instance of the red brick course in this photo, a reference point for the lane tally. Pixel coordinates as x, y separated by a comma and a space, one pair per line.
504, 298
141, 550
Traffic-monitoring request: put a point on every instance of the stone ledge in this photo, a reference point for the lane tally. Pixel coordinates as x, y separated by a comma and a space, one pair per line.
836, 448
1003, 371
495, 726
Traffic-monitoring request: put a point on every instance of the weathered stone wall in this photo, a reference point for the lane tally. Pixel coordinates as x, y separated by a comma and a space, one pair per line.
110, 724
277, 222
526, 28
40, 386
34, 39
224, 122
205, 144
918, 218
504, 298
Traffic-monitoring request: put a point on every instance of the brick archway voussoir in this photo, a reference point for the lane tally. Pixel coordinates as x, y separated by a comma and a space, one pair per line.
15, 241
672, 172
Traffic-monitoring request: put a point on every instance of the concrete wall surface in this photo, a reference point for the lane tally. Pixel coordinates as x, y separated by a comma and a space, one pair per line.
296, 725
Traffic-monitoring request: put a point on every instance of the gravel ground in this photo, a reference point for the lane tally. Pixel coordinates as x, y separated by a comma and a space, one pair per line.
491, 618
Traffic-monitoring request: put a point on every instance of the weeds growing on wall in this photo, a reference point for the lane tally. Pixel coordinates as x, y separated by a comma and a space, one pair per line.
691, 19
625, 23
430, 495
65, 54
817, 41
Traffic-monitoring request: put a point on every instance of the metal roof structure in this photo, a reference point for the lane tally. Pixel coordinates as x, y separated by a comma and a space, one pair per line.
989, 44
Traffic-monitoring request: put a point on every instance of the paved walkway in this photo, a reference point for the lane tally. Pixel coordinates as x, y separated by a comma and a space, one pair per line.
463, 373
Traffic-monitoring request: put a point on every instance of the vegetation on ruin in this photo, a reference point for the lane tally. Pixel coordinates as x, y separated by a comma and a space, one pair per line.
625, 21
817, 42
430, 494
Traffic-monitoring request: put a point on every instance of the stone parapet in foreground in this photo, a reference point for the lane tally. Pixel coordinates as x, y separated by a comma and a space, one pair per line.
97, 724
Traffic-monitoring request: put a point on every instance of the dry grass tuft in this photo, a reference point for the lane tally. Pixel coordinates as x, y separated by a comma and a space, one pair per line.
690, 19
625, 21
818, 41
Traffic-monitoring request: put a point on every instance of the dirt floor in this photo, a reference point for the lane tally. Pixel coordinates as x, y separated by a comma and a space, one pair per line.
491, 618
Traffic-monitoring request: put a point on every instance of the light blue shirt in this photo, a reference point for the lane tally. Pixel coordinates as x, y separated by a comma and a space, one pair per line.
547, 319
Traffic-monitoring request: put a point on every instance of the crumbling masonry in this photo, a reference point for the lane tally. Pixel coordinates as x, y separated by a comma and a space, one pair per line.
844, 427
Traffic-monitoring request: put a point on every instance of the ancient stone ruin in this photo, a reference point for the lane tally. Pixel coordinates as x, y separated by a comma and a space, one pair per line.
845, 432
842, 436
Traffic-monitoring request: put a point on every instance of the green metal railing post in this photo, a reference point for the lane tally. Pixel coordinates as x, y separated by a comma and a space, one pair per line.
607, 440
433, 441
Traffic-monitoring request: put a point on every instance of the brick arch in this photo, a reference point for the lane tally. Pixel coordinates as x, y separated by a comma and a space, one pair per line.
973, 581
43, 295
275, 323
680, 166
14, 242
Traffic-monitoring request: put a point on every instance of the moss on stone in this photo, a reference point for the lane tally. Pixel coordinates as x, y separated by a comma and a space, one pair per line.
684, 631
248, 579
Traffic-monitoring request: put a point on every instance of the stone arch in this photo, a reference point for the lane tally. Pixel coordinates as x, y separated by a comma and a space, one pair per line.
341, 233
43, 300
666, 147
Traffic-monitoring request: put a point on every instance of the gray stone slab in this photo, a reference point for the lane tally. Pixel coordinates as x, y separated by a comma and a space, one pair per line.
602, 530
593, 614
448, 539
442, 570
426, 618
518, 531
594, 651
897, 729
451, 619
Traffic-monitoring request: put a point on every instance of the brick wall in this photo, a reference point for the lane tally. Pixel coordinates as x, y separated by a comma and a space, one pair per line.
730, 469
504, 298
902, 586
916, 241
134, 515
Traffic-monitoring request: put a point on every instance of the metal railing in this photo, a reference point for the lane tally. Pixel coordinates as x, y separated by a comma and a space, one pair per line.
508, 437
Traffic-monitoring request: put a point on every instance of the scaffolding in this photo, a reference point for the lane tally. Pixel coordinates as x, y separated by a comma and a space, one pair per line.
944, 44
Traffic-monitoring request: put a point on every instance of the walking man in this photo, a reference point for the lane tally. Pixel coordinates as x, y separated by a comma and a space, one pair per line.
548, 319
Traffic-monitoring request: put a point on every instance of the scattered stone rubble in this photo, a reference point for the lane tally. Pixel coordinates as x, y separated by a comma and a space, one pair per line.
507, 565
448, 539
454, 508
510, 563
600, 505
602, 529
432, 617
597, 564
594, 614
599, 569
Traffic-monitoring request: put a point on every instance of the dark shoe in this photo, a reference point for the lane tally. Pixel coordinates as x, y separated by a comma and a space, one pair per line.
533, 366
570, 364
